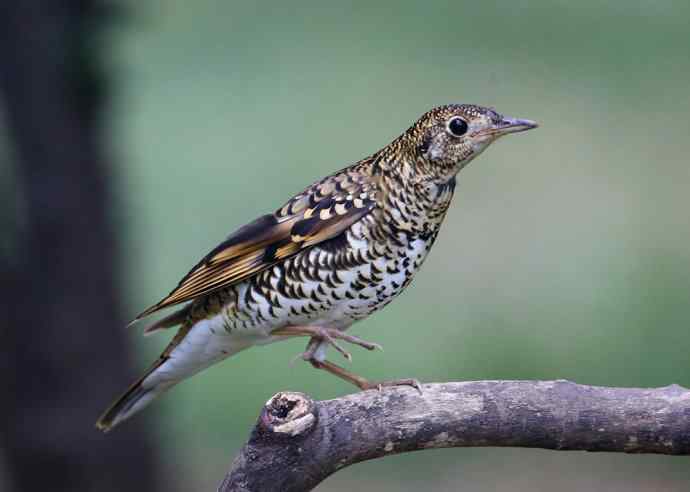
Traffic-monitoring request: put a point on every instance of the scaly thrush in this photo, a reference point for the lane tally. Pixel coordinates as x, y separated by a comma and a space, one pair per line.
332, 255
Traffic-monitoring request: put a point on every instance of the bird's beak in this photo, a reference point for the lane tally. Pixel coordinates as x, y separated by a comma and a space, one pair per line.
513, 125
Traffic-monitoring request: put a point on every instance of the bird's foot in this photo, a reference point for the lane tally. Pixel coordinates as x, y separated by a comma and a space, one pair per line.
379, 385
362, 383
319, 334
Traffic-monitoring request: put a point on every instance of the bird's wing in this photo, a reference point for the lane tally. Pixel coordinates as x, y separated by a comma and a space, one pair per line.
321, 212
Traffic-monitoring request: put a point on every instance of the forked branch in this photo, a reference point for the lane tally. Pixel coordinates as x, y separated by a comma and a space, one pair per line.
298, 442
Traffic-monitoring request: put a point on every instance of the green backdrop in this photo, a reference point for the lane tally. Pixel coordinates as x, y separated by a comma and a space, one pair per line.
567, 250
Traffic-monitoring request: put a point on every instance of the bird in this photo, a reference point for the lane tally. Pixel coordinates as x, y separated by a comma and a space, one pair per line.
332, 255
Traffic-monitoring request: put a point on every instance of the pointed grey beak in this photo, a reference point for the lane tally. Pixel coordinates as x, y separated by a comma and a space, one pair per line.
514, 125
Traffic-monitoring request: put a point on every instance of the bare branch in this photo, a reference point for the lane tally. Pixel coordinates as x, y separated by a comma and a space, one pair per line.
298, 442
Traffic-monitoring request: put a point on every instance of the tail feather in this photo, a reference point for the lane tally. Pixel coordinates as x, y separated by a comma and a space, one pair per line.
194, 348
134, 399
174, 319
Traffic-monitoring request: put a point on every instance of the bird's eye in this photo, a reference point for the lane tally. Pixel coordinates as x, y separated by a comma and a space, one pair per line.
457, 126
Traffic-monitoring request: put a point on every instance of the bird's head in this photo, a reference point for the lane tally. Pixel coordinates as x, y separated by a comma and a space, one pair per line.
447, 138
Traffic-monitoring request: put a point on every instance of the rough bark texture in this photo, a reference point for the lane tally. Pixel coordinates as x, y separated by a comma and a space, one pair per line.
298, 442
64, 352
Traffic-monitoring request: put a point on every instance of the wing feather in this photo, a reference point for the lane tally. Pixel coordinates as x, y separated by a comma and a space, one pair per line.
323, 211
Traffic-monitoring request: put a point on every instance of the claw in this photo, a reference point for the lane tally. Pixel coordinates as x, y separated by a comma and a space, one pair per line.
347, 355
415, 384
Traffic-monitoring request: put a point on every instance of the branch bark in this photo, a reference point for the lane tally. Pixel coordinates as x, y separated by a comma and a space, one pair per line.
298, 442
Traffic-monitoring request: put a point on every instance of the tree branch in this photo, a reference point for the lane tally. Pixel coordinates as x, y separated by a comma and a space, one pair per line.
298, 442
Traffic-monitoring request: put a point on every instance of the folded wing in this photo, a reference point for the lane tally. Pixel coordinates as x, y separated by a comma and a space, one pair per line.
323, 211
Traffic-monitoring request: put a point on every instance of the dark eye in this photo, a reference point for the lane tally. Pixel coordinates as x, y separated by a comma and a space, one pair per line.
457, 126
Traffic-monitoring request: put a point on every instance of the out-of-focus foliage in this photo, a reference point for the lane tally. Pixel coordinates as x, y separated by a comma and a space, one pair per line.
566, 253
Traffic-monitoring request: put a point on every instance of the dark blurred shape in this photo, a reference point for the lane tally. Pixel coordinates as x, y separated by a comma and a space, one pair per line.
64, 351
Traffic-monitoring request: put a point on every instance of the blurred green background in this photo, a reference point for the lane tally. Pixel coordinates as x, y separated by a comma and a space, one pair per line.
567, 250
566, 253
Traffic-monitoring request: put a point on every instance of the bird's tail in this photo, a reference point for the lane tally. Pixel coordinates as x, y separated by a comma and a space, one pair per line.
194, 348
149, 386
137, 396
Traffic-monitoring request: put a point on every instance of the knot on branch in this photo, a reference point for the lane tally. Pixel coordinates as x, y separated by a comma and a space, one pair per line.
288, 414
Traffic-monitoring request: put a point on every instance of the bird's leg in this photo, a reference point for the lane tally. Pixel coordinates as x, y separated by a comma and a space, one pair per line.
329, 335
359, 381
310, 352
